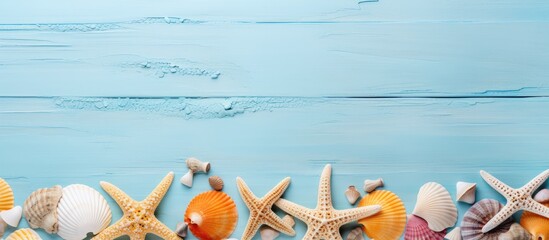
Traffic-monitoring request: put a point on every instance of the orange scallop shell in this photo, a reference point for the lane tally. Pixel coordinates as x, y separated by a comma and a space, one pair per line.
535, 224
389, 223
217, 212
6, 196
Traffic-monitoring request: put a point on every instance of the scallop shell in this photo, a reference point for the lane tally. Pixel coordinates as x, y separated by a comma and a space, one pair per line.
455, 234
196, 165
466, 192
355, 234
418, 229
390, 222
211, 215
187, 179
542, 196
40, 208
435, 205
535, 224
13, 216
24, 234
516, 232
478, 215
6, 196
82, 210
352, 194
371, 185
216, 183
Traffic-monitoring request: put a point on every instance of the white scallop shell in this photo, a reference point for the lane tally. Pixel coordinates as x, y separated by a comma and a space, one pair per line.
435, 205
82, 210
12, 216
466, 192
455, 234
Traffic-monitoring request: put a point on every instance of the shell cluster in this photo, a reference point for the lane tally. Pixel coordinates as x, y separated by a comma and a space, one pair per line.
9, 215
195, 166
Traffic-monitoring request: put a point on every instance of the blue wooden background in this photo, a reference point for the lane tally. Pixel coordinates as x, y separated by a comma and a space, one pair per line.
409, 90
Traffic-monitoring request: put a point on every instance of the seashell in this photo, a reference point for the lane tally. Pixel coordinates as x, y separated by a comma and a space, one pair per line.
355, 234
40, 208
13, 216
181, 229
268, 233
352, 194
478, 215
418, 229
187, 179
211, 215
434, 204
516, 232
6, 196
3, 227
455, 234
24, 234
535, 224
390, 222
196, 165
216, 183
82, 210
542, 196
371, 185
466, 192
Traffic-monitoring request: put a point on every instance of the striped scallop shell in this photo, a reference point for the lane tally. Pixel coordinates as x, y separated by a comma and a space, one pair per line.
418, 229
435, 205
24, 234
6, 196
477, 216
389, 223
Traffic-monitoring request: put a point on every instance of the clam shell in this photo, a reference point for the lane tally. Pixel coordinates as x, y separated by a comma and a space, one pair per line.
516, 232
434, 204
211, 215
40, 208
466, 192
478, 215
355, 234
216, 183
455, 234
187, 179
82, 210
196, 165
6, 196
371, 185
389, 223
12, 216
24, 234
418, 229
542, 196
535, 224
352, 194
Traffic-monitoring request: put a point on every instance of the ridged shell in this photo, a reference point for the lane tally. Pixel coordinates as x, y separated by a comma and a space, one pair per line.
355, 234
40, 208
466, 192
352, 194
535, 224
6, 196
24, 234
516, 232
418, 229
216, 183
211, 215
82, 210
477, 216
542, 196
371, 185
389, 223
455, 234
434, 204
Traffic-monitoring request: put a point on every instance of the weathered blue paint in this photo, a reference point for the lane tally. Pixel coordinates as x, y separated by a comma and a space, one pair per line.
411, 91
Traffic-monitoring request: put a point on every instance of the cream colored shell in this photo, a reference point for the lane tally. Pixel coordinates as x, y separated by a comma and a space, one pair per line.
371, 185
352, 194
455, 234
355, 234
466, 192
12, 216
435, 205
40, 208
516, 232
24, 234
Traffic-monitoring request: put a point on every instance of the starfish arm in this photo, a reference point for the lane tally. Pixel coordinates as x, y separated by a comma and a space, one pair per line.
121, 198
310, 234
156, 196
537, 208
160, 229
535, 183
272, 196
293, 209
251, 228
324, 190
112, 232
354, 214
247, 196
272, 220
506, 212
496, 184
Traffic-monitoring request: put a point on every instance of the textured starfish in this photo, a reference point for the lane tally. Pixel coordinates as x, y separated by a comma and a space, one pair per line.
138, 219
324, 221
260, 209
517, 199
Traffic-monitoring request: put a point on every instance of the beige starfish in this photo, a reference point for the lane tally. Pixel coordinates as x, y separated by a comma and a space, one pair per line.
517, 199
324, 221
260, 209
138, 219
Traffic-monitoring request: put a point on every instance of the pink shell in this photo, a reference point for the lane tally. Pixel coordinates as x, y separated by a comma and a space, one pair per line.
477, 216
418, 229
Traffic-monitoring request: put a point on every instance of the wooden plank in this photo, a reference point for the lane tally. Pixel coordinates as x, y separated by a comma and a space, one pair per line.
134, 142
243, 59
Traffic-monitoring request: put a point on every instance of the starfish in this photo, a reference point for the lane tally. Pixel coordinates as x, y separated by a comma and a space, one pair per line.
517, 199
324, 221
260, 209
138, 219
